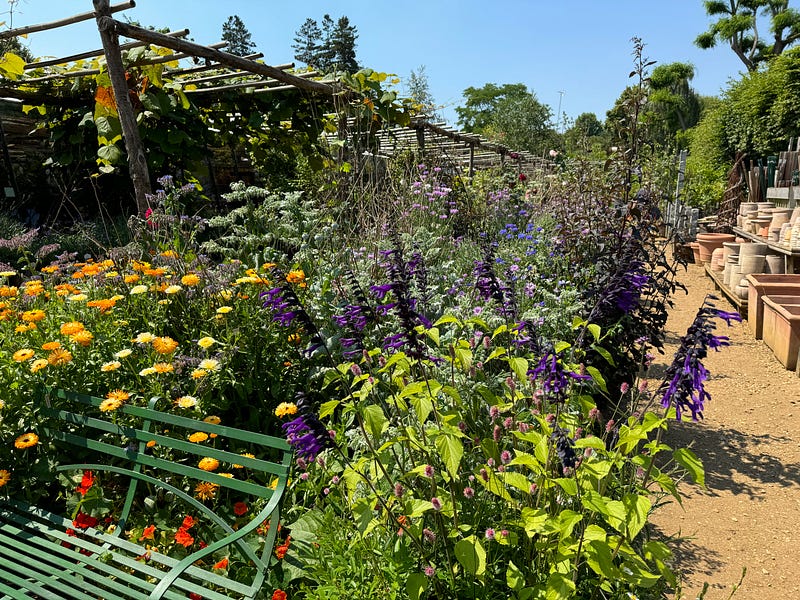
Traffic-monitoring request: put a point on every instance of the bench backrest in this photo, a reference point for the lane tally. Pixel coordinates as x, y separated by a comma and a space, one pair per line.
206, 477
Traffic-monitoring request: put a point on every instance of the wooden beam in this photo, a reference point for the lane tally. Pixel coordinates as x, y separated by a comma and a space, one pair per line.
229, 75
230, 60
137, 162
95, 53
68, 21
245, 84
209, 66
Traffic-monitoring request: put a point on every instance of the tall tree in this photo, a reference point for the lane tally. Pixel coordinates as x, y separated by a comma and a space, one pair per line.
672, 96
307, 42
737, 24
343, 45
240, 41
418, 89
510, 114
586, 132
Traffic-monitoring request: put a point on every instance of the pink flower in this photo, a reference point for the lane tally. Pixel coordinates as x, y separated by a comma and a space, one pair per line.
437, 504
468, 492
490, 534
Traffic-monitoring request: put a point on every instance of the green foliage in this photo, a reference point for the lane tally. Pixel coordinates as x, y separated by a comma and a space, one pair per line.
509, 114
239, 38
329, 48
736, 25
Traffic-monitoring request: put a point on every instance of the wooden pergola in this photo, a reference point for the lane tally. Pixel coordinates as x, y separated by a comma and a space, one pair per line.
227, 72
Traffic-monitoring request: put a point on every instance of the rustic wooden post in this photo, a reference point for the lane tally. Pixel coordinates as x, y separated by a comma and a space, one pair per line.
421, 141
471, 160
137, 162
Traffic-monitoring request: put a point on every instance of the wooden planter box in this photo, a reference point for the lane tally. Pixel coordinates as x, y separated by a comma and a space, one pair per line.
760, 285
782, 331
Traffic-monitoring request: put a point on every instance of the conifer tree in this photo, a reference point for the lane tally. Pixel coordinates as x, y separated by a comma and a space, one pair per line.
240, 41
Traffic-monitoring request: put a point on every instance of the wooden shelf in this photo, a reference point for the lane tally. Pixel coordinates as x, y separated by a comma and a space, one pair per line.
791, 256
739, 304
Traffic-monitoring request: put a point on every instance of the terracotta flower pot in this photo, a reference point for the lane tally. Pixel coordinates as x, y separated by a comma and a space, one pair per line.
782, 331
762, 285
711, 241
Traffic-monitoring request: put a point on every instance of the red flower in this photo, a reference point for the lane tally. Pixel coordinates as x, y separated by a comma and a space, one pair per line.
194, 596
278, 595
84, 521
87, 481
239, 509
281, 550
223, 564
188, 522
522, 177
183, 538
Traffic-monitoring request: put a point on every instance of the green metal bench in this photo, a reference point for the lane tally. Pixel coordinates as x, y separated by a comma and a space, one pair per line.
144, 457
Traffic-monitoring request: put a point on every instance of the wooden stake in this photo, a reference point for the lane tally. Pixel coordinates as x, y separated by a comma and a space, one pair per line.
137, 162
60, 23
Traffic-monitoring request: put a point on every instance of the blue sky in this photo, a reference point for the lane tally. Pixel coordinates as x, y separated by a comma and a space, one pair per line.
579, 47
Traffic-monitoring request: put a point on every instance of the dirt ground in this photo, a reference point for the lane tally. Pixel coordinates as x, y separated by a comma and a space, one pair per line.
749, 442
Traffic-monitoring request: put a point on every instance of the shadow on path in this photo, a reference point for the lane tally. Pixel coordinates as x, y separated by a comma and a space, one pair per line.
728, 452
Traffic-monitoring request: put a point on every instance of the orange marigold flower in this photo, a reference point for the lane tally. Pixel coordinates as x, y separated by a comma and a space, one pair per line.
38, 365
208, 464
278, 595
26, 440
5, 477
285, 408
163, 367
190, 280
188, 522
59, 357
164, 345
8, 291
213, 419
104, 304
151, 444
118, 395
49, 269
84, 338
23, 354
198, 436
148, 533
298, 277
222, 564
239, 509
205, 490
51, 346
132, 278
72, 327
157, 272
183, 538
32, 316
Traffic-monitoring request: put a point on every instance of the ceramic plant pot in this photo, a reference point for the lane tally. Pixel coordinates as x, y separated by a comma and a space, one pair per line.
762, 285
750, 249
711, 241
775, 264
782, 331
717, 257
753, 263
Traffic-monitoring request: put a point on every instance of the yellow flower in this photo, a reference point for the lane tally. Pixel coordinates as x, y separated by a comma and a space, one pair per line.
163, 367
111, 274
246, 455
138, 289
224, 310
213, 419
198, 436
8, 291
5, 476
77, 297
112, 365
294, 338
125, 352
199, 374
206, 342
173, 289
148, 371
104, 304
38, 365
228, 475
72, 327
285, 408
190, 280
164, 345
132, 278
186, 402
169, 254
144, 338
84, 338
298, 277
110, 404
208, 364
208, 464
26, 440
49, 269
59, 357
205, 490
118, 395
32, 316
23, 354
7, 273
25, 328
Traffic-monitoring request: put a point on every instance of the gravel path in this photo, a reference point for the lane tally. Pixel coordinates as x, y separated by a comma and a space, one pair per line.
750, 445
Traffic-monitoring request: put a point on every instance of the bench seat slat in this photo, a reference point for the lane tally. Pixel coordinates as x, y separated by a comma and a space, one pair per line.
122, 552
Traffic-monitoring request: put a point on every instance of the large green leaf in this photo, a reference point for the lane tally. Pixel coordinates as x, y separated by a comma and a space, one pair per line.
472, 556
689, 461
415, 585
559, 587
375, 420
450, 450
